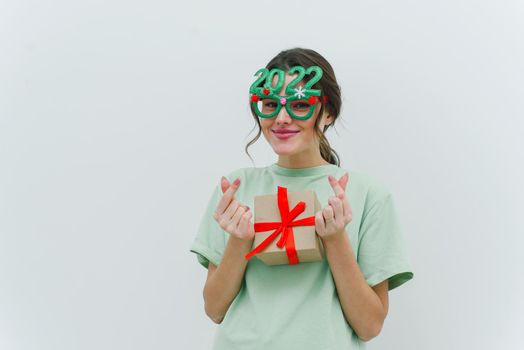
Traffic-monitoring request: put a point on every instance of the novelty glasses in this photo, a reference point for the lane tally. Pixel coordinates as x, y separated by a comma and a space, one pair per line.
300, 102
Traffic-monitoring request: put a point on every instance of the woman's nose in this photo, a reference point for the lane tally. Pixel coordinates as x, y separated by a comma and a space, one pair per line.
283, 117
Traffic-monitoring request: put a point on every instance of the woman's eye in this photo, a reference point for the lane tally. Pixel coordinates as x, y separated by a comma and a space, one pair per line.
301, 105
270, 105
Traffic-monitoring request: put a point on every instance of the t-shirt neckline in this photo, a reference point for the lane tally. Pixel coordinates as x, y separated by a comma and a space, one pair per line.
316, 170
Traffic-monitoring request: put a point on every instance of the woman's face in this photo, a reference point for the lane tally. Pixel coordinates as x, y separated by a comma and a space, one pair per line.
303, 138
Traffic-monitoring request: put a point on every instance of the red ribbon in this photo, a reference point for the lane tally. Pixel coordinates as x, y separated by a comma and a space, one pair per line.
285, 227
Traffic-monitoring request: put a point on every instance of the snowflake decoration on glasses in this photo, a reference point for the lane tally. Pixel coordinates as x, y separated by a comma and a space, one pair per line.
299, 92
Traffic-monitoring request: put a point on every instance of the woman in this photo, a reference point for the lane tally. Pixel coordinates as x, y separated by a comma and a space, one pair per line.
337, 303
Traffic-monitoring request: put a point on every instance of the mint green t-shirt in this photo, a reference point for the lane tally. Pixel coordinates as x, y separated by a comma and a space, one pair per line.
297, 306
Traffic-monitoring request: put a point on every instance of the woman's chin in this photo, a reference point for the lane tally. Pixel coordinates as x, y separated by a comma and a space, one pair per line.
284, 150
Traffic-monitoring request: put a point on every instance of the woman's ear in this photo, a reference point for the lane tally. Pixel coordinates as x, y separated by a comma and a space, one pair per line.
328, 119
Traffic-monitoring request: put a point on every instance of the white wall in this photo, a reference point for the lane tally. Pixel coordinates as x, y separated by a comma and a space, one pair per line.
117, 118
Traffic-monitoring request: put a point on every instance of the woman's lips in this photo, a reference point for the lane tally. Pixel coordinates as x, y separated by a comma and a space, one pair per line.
284, 135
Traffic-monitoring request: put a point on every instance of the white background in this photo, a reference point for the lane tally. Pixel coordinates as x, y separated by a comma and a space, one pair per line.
117, 119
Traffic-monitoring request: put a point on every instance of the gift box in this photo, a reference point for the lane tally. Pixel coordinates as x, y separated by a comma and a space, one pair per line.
285, 228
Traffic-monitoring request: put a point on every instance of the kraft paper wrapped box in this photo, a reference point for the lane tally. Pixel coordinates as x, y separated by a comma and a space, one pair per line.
285, 228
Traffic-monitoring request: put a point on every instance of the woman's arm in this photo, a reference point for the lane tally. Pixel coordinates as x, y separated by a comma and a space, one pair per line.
224, 281
365, 308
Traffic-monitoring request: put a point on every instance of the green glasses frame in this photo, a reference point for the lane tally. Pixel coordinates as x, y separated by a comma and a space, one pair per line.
269, 91
287, 103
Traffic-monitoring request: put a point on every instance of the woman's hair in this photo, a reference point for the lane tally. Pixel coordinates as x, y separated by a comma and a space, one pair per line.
328, 86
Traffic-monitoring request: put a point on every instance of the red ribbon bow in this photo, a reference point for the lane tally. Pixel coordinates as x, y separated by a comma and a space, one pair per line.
285, 227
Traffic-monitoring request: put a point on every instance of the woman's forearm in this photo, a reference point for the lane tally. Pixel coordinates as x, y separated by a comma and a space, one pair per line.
224, 284
362, 307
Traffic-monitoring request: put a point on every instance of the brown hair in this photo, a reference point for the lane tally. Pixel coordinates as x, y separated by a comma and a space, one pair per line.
327, 85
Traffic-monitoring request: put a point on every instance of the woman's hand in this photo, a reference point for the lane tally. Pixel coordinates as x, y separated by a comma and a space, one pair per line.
332, 220
231, 215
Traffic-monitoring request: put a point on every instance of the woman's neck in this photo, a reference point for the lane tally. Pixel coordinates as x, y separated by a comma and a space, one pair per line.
301, 161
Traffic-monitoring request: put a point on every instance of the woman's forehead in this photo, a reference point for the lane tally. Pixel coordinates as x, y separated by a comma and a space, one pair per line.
288, 79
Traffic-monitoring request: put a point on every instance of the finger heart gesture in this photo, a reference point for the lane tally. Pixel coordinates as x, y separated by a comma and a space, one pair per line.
331, 221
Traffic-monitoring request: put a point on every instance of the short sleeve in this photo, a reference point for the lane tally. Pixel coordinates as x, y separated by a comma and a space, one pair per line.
382, 251
210, 240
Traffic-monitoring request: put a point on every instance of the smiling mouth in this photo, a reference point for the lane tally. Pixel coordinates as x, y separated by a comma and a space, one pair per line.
284, 132
283, 136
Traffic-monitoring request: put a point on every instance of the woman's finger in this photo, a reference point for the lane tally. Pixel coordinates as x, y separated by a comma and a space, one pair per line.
335, 185
233, 224
346, 209
320, 224
328, 214
338, 209
224, 184
231, 209
227, 197
344, 180
243, 225
225, 219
